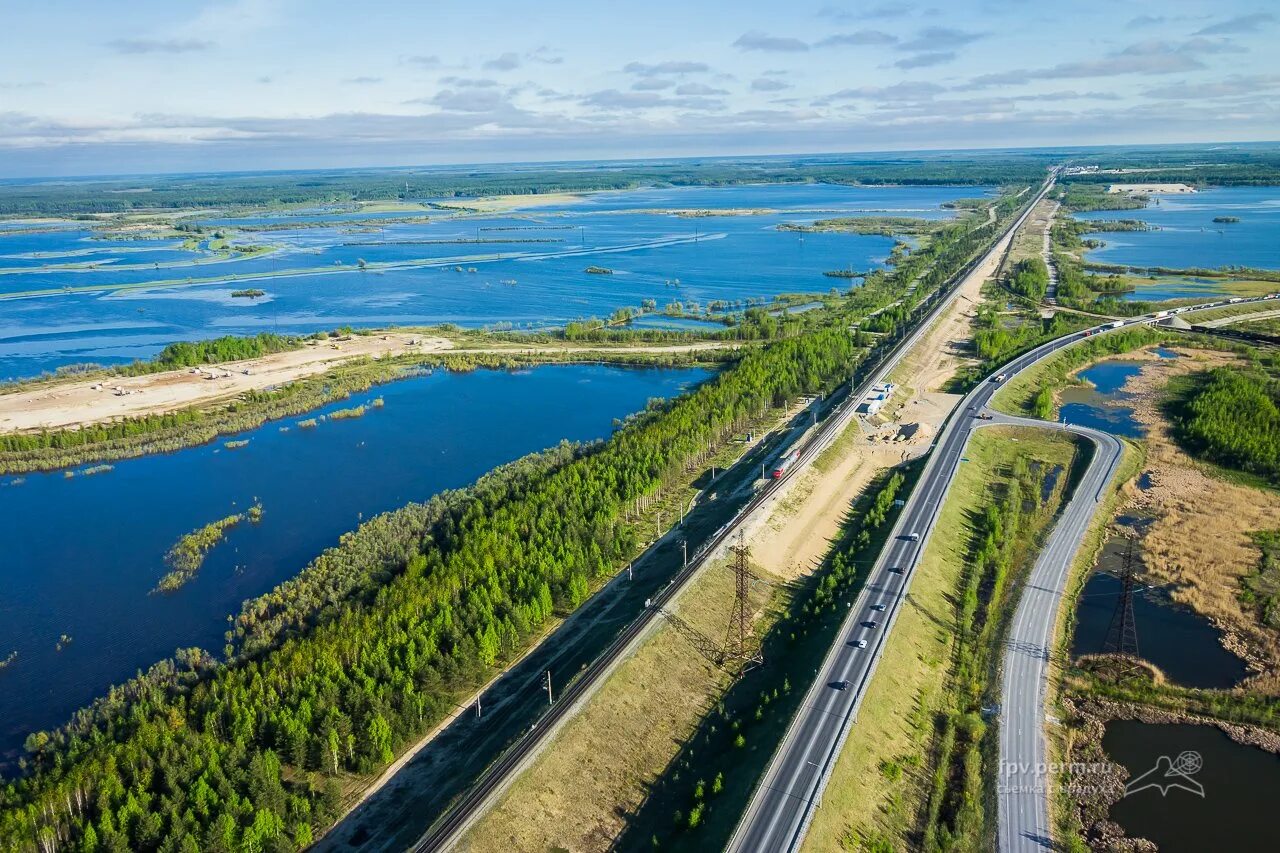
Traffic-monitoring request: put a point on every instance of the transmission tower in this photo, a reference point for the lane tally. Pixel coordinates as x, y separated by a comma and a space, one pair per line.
739, 644
1122, 635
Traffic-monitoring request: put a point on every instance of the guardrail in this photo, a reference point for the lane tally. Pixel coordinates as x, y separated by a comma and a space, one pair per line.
877, 362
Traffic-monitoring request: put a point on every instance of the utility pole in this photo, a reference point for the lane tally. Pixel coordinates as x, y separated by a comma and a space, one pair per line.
629, 575
1122, 634
550, 701
684, 548
737, 642
477, 707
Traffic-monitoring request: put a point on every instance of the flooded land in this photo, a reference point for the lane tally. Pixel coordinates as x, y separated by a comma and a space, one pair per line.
87, 546
68, 296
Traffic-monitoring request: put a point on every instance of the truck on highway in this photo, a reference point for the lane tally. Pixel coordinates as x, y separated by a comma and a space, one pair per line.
999, 377
787, 461
1117, 324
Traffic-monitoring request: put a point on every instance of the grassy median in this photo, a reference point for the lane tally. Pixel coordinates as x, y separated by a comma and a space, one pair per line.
883, 794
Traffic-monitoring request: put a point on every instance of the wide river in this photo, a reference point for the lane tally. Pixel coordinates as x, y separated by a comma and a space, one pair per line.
530, 269
81, 554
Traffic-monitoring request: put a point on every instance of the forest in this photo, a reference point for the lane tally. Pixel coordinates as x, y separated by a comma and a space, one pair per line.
333, 673
243, 756
273, 189
1232, 417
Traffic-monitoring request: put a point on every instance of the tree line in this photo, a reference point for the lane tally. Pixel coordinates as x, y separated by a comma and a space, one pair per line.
242, 756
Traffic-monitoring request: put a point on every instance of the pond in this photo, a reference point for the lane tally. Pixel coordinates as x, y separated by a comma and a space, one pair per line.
1224, 796
84, 553
1099, 404
1185, 646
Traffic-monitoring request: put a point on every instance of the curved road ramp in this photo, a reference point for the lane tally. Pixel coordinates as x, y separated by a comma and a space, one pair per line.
781, 808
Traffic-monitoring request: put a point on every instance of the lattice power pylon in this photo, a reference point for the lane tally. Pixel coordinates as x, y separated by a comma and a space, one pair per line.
1122, 634
740, 645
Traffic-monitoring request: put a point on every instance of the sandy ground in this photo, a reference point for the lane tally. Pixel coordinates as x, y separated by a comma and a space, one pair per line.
660, 693
501, 203
86, 402
1144, 189
1200, 538
77, 403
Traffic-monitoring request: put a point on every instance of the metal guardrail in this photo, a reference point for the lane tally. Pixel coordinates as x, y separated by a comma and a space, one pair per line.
445, 831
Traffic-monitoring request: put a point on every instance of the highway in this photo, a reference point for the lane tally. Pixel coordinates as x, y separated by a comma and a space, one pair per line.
449, 828
1021, 785
781, 808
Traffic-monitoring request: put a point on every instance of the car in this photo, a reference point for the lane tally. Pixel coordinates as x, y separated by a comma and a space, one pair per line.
862, 644
913, 537
871, 624
841, 685
895, 570
877, 607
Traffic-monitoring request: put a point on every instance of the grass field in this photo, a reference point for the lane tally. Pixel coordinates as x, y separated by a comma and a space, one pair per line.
881, 781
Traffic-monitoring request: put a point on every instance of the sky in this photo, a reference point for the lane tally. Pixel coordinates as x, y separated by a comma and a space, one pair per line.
95, 88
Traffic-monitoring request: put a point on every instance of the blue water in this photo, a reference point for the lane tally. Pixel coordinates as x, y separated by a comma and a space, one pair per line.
1101, 406
82, 554
1188, 236
655, 255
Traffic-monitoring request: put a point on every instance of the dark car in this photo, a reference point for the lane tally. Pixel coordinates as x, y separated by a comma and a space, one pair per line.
840, 685
871, 623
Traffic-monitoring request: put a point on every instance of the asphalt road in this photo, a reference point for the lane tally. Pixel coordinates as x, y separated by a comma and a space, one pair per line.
778, 815
1021, 786
449, 828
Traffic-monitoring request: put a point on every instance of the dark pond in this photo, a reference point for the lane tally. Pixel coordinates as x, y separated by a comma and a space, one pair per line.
1183, 644
1238, 783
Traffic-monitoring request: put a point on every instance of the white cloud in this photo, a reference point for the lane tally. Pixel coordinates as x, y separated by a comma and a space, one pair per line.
756, 40
149, 45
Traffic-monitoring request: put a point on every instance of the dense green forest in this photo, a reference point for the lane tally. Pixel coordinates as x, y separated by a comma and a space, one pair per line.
1030, 278
1232, 417
343, 187
376, 641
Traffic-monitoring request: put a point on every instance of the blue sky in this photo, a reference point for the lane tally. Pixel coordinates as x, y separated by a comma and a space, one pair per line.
147, 86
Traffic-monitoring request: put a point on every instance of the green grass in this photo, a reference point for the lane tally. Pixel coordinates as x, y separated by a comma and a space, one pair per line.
883, 778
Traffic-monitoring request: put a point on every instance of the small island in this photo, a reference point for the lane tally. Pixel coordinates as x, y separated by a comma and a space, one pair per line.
187, 556
594, 270
251, 293
1226, 219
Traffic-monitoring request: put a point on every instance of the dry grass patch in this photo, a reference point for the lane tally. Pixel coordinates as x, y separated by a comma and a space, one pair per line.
597, 770
1201, 539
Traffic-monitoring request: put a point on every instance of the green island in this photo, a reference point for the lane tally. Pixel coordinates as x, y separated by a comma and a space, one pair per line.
377, 640
188, 554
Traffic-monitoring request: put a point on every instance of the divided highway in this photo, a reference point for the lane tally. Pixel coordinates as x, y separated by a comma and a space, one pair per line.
779, 813
448, 829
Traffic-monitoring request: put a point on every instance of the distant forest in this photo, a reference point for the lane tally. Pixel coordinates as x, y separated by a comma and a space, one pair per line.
346, 186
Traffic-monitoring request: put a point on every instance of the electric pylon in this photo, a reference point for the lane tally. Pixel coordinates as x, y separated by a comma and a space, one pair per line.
739, 644
1122, 634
